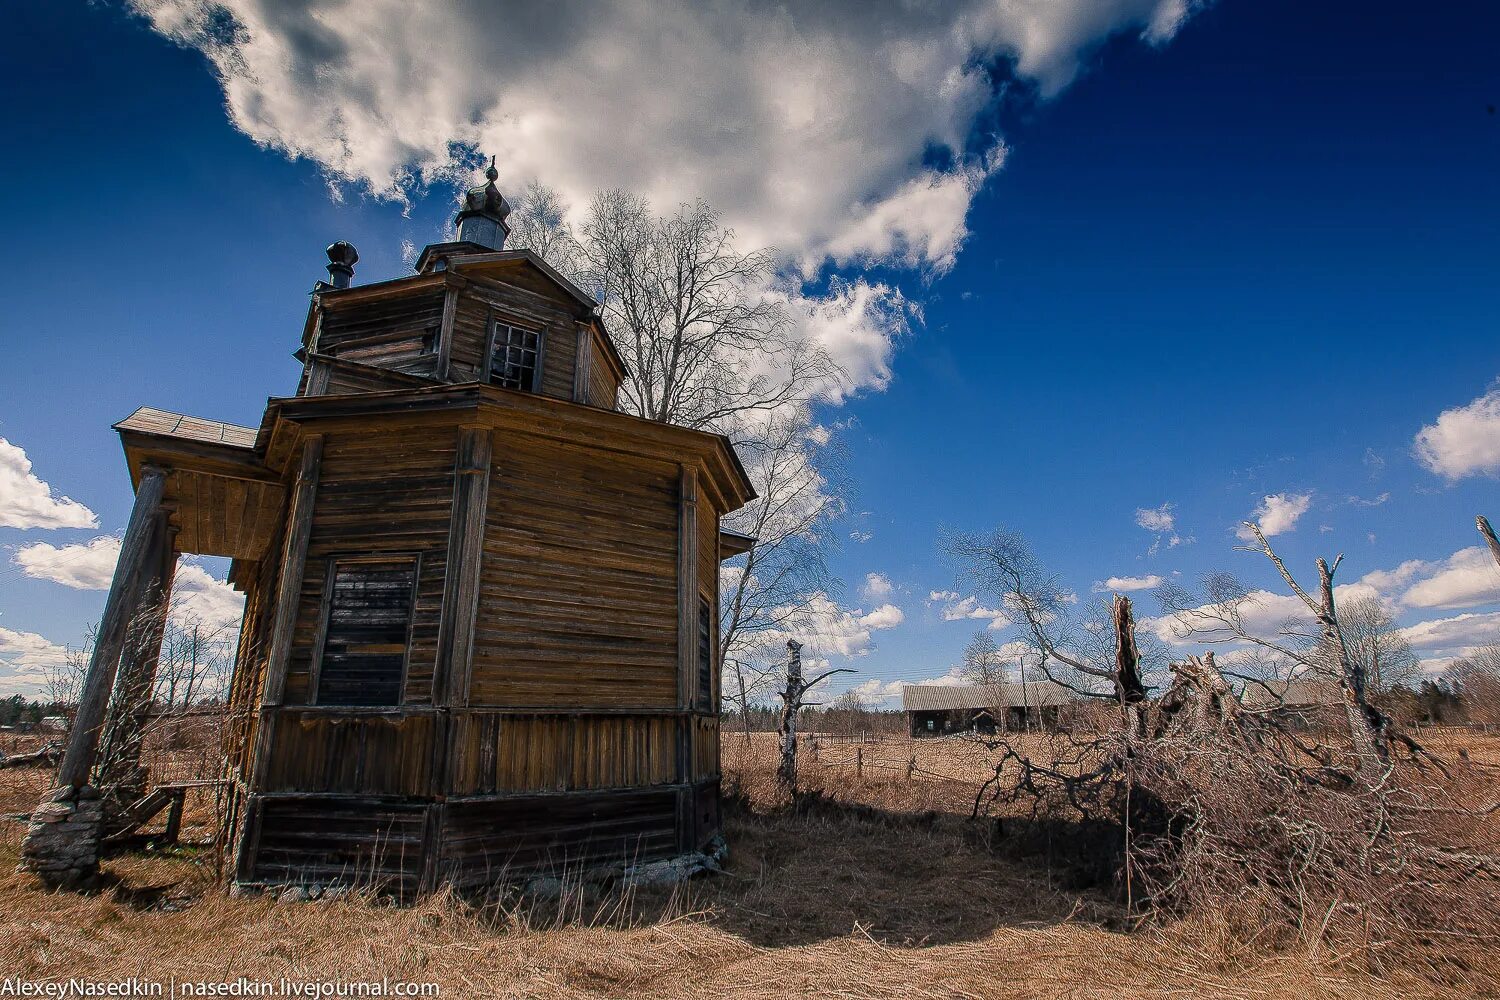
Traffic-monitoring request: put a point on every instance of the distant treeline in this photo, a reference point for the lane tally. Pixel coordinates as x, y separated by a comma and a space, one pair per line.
19, 711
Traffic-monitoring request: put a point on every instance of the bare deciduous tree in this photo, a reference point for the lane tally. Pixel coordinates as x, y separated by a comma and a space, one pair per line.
708, 344
711, 346
1102, 654
1477, 677
769, 592
983, 661
1379, 646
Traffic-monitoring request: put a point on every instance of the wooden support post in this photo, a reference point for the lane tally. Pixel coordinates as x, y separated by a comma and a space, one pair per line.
119, 771
119, 608
445, 331
287, 600
466, 528
687, 586
581, 362
174, 817
293, 563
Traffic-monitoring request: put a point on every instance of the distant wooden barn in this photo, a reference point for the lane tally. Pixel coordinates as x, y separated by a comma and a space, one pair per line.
480, 603
939, 709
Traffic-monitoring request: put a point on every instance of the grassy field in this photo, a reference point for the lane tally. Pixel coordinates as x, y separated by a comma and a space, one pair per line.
879, 888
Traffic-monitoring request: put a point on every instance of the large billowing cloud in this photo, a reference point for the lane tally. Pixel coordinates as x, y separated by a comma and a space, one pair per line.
832, 130
27, 502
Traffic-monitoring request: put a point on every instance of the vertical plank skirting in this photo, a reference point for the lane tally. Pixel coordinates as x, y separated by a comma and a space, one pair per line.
687, 585
293, 562
466, 527
119, 608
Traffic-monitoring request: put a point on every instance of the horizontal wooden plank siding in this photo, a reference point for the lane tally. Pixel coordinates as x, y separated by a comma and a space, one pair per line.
578, 602
502, 753
388, 490
485, 840
398, 332
320, 750
349, 841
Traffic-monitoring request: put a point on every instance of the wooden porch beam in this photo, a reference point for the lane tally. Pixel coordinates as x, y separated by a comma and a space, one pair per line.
119, 608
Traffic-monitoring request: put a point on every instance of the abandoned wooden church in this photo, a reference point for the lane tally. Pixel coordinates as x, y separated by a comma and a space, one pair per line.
480, 602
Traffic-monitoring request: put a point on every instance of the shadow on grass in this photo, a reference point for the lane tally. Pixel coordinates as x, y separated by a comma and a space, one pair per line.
828, 869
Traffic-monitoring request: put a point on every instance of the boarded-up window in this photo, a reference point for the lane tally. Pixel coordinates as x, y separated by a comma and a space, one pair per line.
366, 632
514, 357
705, 653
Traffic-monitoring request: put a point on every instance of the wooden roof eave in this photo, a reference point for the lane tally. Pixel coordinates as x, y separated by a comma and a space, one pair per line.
734, 543
567, 421
147, 445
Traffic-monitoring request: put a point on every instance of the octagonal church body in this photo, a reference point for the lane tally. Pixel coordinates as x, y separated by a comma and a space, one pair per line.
480, 602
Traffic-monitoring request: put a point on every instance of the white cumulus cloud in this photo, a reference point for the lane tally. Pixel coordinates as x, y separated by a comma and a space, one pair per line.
1158, 519
1465, 440
27, 502
957, 608
1277, 514
25, 660
86, 566
885, 616
1463, 580
812, 126
1127, 584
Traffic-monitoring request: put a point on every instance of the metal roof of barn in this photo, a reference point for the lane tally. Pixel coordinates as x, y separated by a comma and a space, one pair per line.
963, 697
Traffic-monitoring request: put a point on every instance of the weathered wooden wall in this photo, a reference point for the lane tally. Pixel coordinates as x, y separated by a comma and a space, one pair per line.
397, 331
578, 604
574, 739
384, 489
603, 386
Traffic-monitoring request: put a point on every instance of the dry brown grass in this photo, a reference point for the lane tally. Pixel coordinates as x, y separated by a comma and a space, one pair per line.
877, 889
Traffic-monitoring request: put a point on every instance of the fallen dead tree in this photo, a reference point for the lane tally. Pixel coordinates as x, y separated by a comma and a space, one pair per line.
1356, 843
47, 756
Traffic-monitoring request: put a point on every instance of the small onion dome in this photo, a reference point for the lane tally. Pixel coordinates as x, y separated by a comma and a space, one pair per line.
486, 199
482, 219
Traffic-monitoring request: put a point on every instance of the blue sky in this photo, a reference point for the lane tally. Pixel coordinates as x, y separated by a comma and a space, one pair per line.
1233, 250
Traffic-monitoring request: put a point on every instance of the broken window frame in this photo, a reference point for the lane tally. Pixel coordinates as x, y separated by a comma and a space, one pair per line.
496, 326
325, 617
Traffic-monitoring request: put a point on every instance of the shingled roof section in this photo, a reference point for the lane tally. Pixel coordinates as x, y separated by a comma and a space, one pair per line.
964, 697
150, 420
